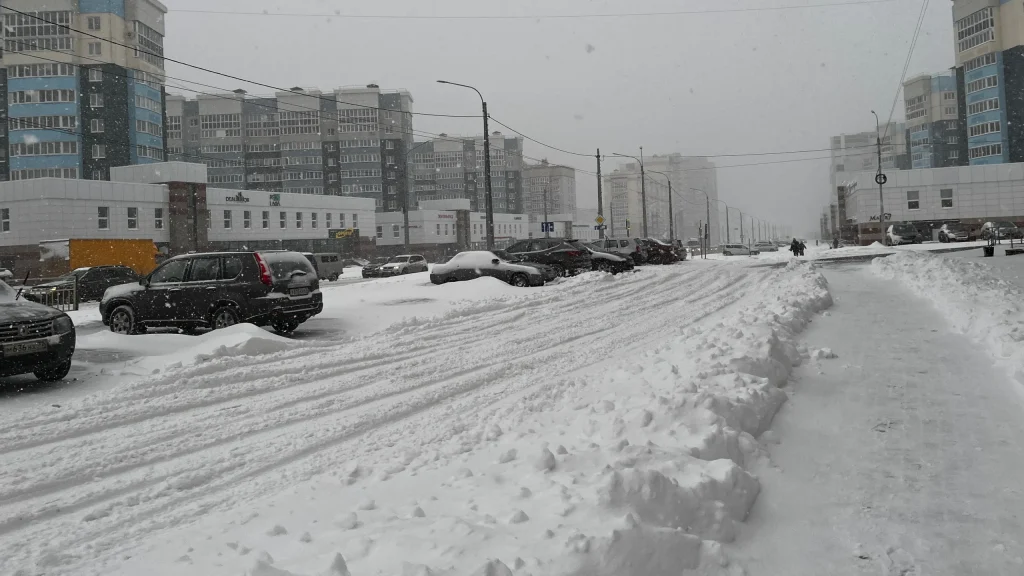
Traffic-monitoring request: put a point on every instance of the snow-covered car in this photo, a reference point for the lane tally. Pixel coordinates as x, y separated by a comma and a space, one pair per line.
605, 261
548, 272
6, 275
34, 339
955, 232
903, 233
477, 264
1000, 230
766, 247
631, 248
404, 264
738, 250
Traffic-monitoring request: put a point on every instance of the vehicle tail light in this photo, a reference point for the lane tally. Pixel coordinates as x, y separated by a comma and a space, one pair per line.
264, 271
638, 248
573, 253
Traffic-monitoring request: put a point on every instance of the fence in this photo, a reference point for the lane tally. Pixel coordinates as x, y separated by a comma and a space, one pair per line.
63, 296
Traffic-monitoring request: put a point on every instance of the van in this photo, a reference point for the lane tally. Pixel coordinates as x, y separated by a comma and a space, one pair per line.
330, 265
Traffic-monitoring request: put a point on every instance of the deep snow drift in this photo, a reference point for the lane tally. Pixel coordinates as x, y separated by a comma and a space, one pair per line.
972, 296
599, 427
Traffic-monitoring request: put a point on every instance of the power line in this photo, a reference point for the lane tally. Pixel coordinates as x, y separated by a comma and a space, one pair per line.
240, 79
906, 66
338, 14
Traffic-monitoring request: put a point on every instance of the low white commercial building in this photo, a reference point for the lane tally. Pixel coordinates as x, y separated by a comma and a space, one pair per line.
170, 204
971, 195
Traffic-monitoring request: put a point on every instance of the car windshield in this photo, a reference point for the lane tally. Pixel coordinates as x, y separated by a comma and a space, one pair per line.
73, 275
956, 227
904, 229
398, 259
1005, 225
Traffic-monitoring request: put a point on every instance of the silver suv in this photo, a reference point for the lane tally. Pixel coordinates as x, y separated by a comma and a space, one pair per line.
631, 248
404, 264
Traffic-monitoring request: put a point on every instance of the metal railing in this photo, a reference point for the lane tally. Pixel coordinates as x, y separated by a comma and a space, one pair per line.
63, 297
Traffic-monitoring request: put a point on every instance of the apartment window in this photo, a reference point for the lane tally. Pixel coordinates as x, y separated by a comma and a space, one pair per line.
953, 154
946, 196
97, 174
95, 75
96, 100
949, 95
355, 220
983, 60
332, 161
158, 218
96, 125
95, 48
227, 219
5, 219
950, 110
987, 150
93, 22
246, 219
133, 218
380, 231
982, 83
391, 204
103, 217
975, 29
952, 139
327, 220
313, 220
391, 160
99, 151
298, 219
391, 174
983, 128
284, 220
983, 106
395, 231
266, 219
913, 200
341, 220
438, 233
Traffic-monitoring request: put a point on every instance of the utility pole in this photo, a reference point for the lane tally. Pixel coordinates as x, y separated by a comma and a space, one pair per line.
547, 230
728, 232
671, 217
643, 190
880, 178
600, 200
707, 226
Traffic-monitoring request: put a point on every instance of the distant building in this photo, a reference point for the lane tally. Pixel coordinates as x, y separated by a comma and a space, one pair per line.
549, 188
76, 106
859, 152
935, 129
346, 142
452, 168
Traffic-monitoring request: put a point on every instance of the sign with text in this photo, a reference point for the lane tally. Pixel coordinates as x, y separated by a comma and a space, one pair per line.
342, 232
888, 216
237, 198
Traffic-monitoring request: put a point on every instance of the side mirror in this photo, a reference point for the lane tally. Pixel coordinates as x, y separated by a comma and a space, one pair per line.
144, 281
495, 261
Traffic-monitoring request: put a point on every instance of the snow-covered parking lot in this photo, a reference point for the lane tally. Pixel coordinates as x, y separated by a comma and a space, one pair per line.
598, 425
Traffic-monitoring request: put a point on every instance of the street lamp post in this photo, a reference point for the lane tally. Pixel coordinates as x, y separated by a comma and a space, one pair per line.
879, 179
643, 185
405, 199
671, 218
488, 199
707, 226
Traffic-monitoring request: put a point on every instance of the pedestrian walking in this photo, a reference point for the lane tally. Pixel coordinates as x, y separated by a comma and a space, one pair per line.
794, 247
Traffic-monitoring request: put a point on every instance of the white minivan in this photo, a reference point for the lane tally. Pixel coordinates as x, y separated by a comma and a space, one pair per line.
738, 250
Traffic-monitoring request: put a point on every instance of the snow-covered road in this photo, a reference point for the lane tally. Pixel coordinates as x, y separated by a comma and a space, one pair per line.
84, 484
900, 457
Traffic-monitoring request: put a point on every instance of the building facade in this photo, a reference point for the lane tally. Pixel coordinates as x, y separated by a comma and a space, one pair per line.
348, 142
934, 129
452, 168
857, 152
989, 47
694, 194
81, 87
549, 189
171, 204
971, 195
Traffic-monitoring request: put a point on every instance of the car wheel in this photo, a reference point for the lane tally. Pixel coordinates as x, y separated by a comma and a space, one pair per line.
604, 266
520, 281
55, 373
559, 270
334, 277
285, 327
449, 279
726, 253
122, 320
224, 317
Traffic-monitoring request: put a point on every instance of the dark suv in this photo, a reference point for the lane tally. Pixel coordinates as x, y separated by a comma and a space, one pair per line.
216, 290
34, 338
565, 258
92, 282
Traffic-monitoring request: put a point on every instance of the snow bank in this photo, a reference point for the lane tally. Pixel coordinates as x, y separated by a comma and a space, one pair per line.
635, 465
977, 302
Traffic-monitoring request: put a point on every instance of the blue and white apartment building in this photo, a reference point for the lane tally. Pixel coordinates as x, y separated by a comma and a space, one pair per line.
988, 38
82, 87
936, 136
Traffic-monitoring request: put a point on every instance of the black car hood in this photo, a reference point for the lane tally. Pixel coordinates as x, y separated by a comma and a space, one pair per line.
22, 310
53, 284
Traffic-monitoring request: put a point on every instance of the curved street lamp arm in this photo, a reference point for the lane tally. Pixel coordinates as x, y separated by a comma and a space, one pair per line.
464, 86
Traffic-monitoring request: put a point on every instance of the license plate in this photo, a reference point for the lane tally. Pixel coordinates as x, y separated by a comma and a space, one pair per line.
299, 291
23, 348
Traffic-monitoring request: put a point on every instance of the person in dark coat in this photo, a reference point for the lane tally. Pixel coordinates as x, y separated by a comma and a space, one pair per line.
835, 242
794, 247
802, 247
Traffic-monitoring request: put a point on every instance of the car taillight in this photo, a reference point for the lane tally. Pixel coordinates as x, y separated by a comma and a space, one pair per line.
264, 271
638, 248
573, 253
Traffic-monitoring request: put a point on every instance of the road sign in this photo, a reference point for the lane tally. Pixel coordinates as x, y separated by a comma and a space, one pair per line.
881, 178
547, 226
600, 227
599, 220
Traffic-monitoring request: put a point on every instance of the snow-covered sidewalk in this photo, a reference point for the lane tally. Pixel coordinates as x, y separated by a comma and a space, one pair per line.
903, 455
602, 426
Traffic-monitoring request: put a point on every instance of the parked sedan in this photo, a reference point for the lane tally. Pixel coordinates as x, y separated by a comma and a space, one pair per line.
565, 258
404, 264
91, 282
546, 271
738, 250
1000, 230
477, 264
606, 261
34, 339
954, 232
766, 247
372, 268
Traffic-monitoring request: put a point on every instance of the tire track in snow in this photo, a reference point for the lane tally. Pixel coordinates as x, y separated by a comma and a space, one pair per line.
660, 294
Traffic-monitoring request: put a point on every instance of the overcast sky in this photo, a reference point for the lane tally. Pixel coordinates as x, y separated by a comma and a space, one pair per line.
698, 84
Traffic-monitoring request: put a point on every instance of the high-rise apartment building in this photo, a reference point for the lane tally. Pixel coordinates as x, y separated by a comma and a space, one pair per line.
81, 87
989, 46
347, 142
935, 131
452, 167
549, 189
695, 193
